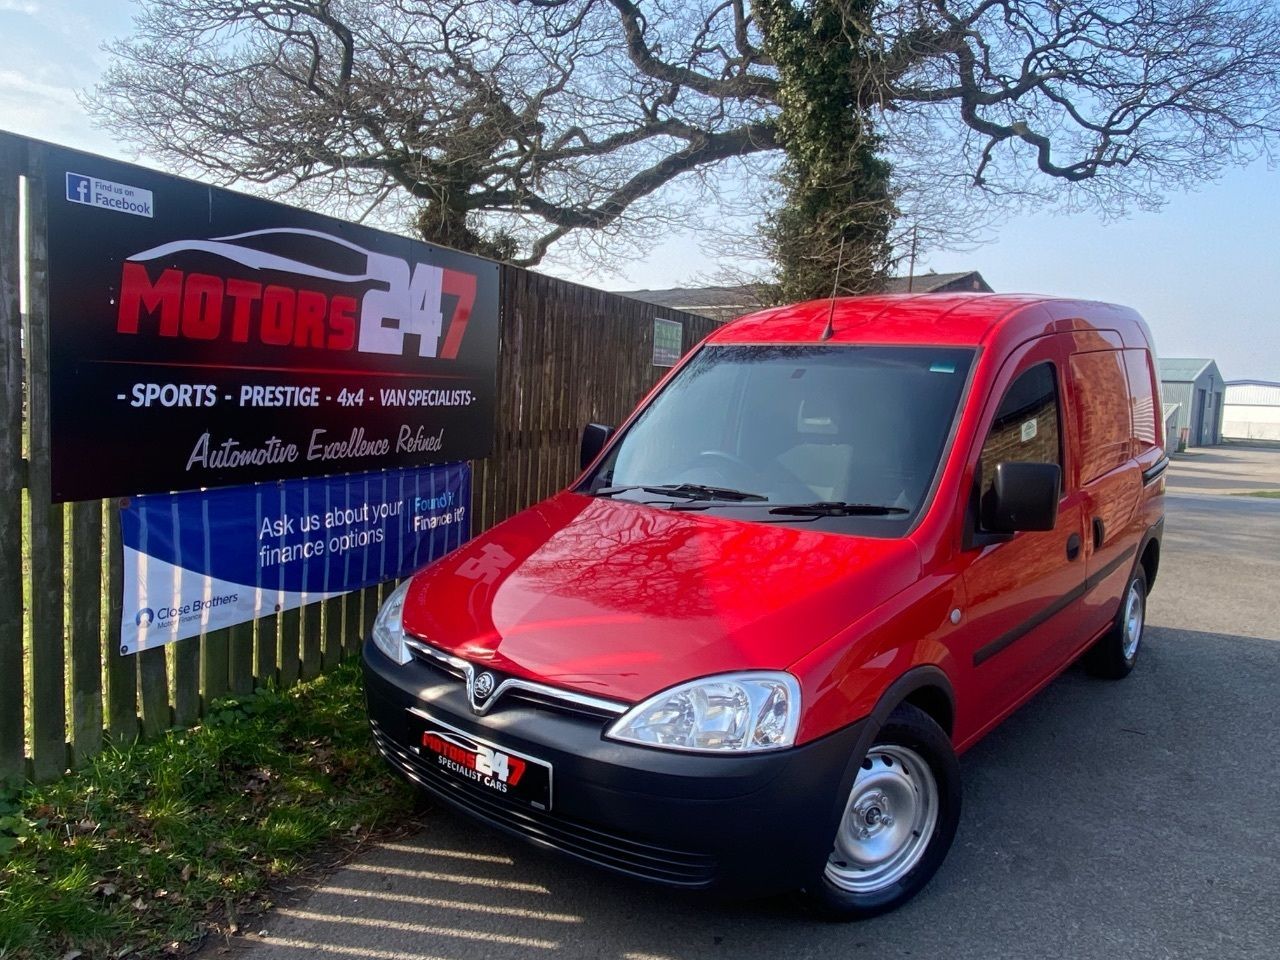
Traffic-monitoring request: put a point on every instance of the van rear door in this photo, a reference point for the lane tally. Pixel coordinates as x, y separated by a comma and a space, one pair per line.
1108, 476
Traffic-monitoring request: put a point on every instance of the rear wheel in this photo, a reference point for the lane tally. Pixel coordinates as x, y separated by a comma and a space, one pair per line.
899, 820
1115, 654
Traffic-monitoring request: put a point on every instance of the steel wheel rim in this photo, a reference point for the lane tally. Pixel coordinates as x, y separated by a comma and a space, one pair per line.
888, 821
1135, 612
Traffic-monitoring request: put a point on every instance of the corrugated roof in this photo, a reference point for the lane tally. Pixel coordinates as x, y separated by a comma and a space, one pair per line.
1253, 393
1182, 369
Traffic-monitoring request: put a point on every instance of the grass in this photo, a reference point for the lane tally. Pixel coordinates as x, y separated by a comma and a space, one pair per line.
150, 847
1269, 494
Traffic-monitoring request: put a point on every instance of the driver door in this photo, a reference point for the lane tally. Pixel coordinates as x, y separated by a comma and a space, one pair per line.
1022, 588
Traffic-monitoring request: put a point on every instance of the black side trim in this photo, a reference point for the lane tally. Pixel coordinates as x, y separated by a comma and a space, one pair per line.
1155, 470
988, 651
914, 679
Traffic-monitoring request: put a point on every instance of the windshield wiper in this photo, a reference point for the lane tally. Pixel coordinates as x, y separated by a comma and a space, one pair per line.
836, 508
690, 491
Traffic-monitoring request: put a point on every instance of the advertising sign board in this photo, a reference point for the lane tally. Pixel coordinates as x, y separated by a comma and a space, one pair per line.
203, 560
201, 337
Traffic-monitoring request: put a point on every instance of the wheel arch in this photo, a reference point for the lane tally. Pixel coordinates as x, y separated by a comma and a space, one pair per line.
927, 688
1149, 557
1149, 552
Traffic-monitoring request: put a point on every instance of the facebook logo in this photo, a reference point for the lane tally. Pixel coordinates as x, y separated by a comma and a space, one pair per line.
108, 195
79, 188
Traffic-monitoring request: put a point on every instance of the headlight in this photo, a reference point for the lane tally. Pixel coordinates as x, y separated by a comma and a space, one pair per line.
732, 713
388, 629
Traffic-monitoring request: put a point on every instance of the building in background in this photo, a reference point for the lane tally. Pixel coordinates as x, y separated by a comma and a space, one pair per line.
725, 303
1196, 387
1171, 425
1252, 410
970, 281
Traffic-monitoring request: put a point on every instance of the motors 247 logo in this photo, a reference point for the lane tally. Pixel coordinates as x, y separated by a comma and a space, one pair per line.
295, 294
475, 761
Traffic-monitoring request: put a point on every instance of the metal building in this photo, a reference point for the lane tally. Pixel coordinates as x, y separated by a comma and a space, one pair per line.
1196, 386
1252, 410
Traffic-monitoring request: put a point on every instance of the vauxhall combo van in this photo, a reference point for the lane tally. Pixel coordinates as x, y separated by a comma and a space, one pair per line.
836, 546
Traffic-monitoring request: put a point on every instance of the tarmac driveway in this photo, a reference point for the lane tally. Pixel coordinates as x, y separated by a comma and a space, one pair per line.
1133, 819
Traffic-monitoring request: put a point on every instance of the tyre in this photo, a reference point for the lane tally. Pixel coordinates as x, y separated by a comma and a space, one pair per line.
1115, 653
898, 823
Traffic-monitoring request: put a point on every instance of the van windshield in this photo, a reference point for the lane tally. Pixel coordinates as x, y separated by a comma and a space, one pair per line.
842, 437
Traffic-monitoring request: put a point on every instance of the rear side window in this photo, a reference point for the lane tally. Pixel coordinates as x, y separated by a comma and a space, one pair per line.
1144, 410
1103, 418
1026, 428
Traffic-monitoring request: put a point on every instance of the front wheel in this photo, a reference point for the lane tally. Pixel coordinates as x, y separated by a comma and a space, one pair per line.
1114, 655
898, 823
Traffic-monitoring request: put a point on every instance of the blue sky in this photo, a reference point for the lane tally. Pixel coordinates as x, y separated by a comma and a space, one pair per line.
1204, 270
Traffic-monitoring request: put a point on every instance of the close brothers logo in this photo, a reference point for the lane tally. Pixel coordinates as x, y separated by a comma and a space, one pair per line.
192, 610
404, 300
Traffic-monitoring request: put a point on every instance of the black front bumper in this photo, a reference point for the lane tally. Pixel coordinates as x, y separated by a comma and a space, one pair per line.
739, 825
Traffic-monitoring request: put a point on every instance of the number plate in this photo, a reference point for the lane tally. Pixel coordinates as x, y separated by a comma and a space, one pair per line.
479, 763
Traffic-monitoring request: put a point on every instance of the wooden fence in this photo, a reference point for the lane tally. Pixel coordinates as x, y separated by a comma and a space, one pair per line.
568, 354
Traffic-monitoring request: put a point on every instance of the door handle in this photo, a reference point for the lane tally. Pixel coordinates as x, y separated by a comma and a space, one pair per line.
1099, 532
1073, 546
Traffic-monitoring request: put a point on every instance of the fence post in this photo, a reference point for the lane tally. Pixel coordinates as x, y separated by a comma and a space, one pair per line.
240, 659
351, 633
290, 635
268, 640
186, 681
332, 638
48, 628
86, 630
310, 647
215, 669
368, 613
153, 689
122, 672
12, 480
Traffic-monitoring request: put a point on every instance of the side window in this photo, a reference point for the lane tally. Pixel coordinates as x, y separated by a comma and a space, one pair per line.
1144, 403
1103, 417
1026, 428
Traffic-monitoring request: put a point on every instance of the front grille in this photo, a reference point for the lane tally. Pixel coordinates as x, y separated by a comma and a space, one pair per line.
672, 867
429, 657
540, 695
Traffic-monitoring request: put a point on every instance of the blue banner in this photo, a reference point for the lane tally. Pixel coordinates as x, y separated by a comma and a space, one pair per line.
200, 561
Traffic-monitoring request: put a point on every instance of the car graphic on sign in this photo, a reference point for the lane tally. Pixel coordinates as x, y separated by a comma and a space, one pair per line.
401, 299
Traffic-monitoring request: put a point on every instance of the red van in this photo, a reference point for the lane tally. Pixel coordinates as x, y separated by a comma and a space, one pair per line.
830, 551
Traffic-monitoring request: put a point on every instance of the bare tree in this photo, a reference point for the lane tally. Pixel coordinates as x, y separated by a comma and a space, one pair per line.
504, 126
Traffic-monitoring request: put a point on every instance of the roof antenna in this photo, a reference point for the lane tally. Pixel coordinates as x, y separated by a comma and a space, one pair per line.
835, 285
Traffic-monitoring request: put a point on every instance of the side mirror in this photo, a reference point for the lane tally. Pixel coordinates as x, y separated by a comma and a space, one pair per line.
594, 437
1024, 496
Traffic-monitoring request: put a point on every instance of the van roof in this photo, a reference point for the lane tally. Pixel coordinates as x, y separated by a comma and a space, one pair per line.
942, 319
